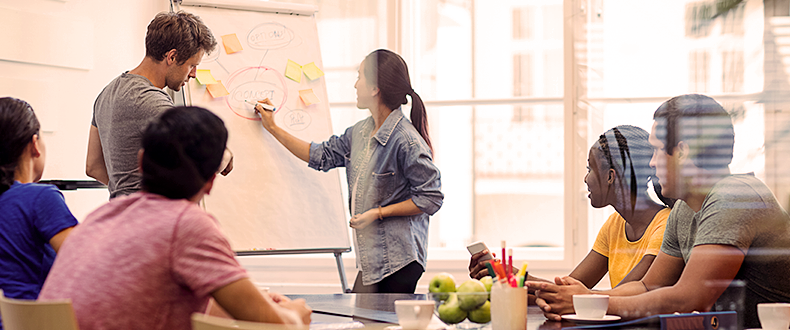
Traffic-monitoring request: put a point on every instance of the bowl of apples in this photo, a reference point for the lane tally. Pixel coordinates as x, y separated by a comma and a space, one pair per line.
466, 306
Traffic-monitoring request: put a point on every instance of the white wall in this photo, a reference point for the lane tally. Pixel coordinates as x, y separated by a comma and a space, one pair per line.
77, 47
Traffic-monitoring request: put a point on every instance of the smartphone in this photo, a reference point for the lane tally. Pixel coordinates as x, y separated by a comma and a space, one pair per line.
477, 247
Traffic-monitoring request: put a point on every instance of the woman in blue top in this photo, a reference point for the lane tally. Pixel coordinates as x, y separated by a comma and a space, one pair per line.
34, 219
392, 181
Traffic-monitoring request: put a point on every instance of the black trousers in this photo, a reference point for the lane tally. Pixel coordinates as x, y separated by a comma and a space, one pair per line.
402, 281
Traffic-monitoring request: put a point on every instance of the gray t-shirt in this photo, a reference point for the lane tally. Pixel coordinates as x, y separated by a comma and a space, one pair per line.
121, 113
742, 212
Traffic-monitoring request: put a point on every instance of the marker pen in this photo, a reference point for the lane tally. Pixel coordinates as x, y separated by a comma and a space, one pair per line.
264, 105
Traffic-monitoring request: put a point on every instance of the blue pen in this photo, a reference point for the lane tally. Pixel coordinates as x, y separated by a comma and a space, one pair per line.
264, 105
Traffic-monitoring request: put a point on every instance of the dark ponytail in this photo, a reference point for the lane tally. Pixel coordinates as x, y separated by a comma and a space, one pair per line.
389, 72
18, 124
182, 149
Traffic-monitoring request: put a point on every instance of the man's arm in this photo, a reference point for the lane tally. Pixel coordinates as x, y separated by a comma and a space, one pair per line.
639, 271
94, 164
244, 302
556, 300
699, 286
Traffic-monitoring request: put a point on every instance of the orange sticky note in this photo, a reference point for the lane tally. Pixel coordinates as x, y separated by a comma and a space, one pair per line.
293, 71
231, 43
312, 71
308, 97
217, 90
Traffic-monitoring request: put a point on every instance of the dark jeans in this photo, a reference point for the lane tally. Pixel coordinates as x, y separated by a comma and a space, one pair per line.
402, 281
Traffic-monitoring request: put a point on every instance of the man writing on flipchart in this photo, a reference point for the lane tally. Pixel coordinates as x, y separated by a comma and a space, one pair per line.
174, 46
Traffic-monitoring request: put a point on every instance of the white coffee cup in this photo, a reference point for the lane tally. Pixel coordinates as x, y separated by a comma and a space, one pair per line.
591, 306
414, 314
774, 316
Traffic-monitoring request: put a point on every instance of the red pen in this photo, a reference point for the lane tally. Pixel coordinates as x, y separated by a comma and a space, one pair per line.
510, 261
510, 278
504, 256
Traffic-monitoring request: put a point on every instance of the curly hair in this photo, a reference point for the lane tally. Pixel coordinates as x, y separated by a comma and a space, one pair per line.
181, 31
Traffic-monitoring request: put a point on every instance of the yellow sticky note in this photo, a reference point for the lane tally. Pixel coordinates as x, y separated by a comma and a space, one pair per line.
217, 90
204, 77
312, 71
231, 43
308, 97
293, 71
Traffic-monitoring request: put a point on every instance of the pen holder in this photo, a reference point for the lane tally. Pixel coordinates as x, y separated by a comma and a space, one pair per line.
508, 308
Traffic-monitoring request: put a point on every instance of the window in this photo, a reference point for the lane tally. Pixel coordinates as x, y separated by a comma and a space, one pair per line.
698, 71
522, 22
732, 71
698, 18
522, 86
493, 78
732, 20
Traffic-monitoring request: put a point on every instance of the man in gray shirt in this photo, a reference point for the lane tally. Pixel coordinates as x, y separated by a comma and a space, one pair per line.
723, 227
174, 46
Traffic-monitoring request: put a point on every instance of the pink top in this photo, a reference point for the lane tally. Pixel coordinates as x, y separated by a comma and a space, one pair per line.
142, 262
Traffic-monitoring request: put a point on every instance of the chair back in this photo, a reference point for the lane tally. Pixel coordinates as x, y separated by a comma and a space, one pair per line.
208, 322
37, 315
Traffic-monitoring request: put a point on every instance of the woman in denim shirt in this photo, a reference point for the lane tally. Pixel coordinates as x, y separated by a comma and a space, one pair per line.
393, 184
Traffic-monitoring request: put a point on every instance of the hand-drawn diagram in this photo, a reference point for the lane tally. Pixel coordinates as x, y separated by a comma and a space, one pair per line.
272, 35
243, 85
213, 57
268, 184
297, 120
259, 82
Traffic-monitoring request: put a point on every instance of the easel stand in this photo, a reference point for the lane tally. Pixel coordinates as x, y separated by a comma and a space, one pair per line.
336, 251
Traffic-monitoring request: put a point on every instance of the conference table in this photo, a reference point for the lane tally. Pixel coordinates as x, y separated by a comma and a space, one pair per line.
377, 310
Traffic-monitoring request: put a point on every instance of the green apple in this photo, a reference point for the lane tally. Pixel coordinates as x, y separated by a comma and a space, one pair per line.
482, 314
441, 283
478, 294
488, 281
450, 312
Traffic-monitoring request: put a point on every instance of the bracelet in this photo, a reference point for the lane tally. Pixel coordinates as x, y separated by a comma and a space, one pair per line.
380, 217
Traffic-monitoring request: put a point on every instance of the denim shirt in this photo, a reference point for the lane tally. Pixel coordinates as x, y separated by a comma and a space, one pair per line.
389, 167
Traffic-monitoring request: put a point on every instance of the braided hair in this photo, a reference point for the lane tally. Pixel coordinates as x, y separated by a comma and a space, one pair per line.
18, 124
627, 151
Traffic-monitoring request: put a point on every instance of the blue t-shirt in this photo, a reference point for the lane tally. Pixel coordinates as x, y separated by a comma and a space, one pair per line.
30, 215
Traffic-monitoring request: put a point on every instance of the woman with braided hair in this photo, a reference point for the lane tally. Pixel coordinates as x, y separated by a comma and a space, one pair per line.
618, 173
34, 218
392, 181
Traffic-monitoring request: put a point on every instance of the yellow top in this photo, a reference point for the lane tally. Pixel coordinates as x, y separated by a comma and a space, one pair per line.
623, 254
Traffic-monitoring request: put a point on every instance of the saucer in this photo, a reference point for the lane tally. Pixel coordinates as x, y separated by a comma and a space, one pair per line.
579, 319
